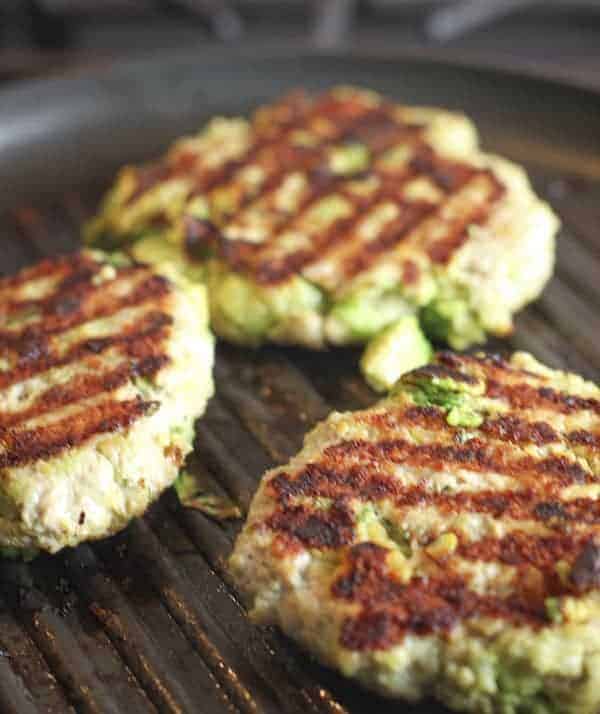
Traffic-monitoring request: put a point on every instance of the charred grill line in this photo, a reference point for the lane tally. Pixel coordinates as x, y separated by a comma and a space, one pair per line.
143, 338
378, 129
310, 159
43, 442
32, 352
245, 256
524, 396
474, 455
83, 387
151, 290
506, 428
433, 607
154, 173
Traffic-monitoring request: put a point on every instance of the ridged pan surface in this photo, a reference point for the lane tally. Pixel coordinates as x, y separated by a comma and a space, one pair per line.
149, 621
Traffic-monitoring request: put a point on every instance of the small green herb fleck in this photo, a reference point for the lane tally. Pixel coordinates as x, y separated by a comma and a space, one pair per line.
553, 609
400, 536
463, 416
350, 159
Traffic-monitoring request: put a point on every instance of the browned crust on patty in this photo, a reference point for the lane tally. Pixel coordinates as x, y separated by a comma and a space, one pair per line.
88, 397
350, 119
317, 505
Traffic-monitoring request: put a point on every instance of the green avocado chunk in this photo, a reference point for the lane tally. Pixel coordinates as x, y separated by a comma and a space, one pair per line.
350, 159
459, 400
361, 316
451, 320
248, 314
399, 348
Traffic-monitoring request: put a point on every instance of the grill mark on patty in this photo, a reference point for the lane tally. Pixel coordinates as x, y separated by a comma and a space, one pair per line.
69, 280
44, 442
332, 528
144, 337
311, 160
44, 269
443, 371
438, 597
390, 609
149, 176
85, 386
585, 573
154, 287
526, 396
70, 292
494, 364
220, 177
397, 230
515, 430
475, 455
519, 548
32, 349
140, 342
442, 250
272, 270
379, 129
581, 437
249, 257
538, 503
507, 428
415, 212
429, 606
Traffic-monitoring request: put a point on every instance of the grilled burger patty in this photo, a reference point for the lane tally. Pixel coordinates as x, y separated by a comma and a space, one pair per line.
104, 366
445, 542
326, 218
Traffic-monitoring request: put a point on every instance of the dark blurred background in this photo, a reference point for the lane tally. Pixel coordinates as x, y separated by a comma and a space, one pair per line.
557, 38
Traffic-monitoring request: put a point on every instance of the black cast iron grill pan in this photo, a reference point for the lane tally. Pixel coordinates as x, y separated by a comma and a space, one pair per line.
148, 621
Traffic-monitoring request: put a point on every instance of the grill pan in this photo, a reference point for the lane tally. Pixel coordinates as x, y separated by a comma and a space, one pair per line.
148, 621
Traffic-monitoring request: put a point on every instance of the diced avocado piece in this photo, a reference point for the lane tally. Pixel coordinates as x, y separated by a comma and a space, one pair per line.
328, 210
458, 399
364, 314
166, 256
400, 348
236, 301
296, 294
553, 609
349, 159
451, 320
464, 416
436, 393
154, 249
223, 202
249, 314
198, 208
